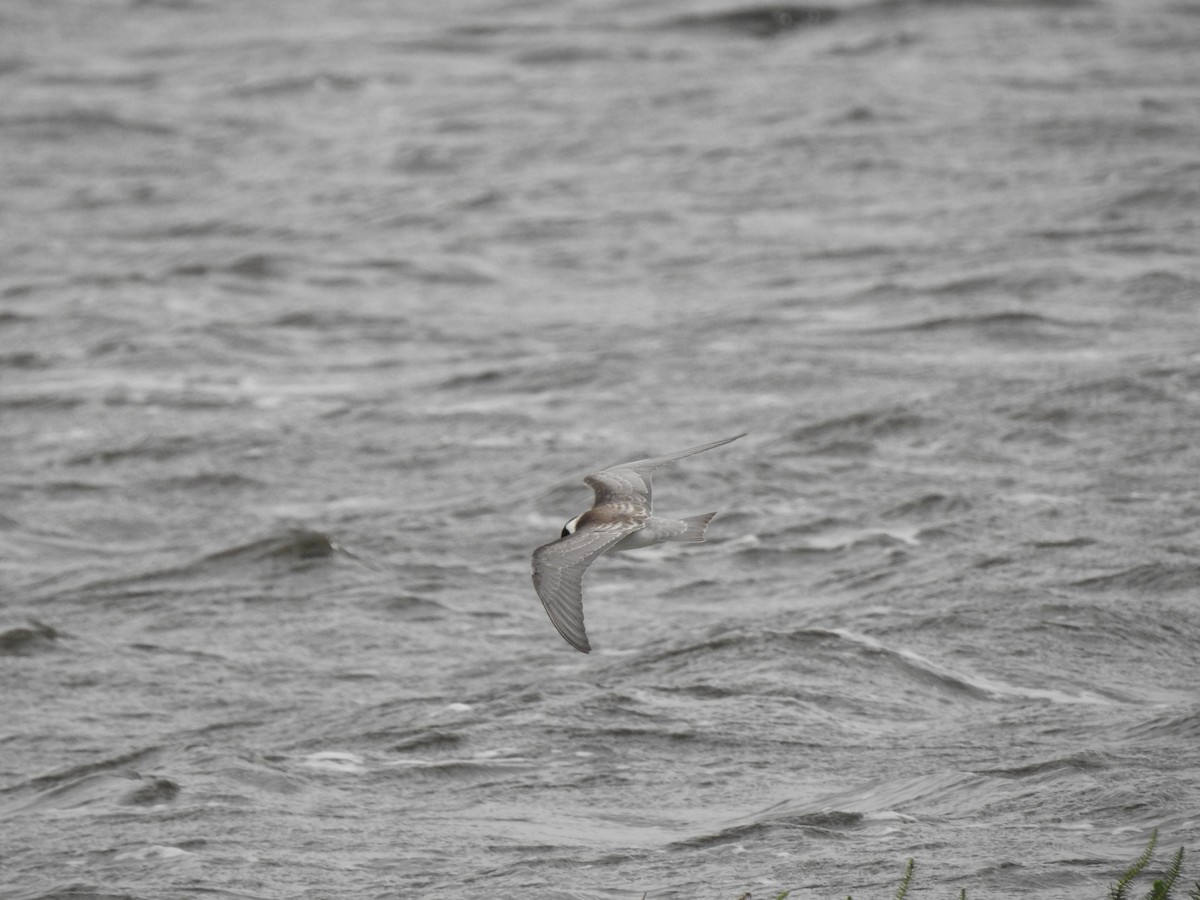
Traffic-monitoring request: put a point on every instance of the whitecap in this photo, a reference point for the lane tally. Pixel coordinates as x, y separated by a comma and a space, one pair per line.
153, 852
335, 761
988, 687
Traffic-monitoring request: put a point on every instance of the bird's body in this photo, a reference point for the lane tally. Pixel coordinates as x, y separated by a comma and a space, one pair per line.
620, 519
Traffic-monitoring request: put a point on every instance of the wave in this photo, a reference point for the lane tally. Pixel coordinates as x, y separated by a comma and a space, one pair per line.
104, 785
462, 766
27, 641
910, 678
1159, 198
325, 320
85, 890
318, 82
1084, 761
80, 124
1164, 289
341, 762
1154, 578
972, 685
822, 821
832, 540
202, 481
758, 21
1123, 388
158, 448
856, 433
774, 19
1094, 402
297, 545
1169, 726
1156, 625
887, 804
1001, 326
881, 803
931, 505
985, 289
564, 55
52, 400
523, 377
120, 761
25, 360
240, 568
250, 266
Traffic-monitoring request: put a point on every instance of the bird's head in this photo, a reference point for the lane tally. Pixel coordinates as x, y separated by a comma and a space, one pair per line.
570, 527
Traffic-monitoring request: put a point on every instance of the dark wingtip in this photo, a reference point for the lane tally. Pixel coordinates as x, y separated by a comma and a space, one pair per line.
581, 644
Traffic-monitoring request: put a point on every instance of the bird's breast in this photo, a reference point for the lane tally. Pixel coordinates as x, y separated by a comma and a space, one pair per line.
643, 537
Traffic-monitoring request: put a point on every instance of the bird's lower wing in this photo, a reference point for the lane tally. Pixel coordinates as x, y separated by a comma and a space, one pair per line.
558, 569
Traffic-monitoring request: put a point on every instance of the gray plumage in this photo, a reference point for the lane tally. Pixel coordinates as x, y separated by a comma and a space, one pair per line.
620, 519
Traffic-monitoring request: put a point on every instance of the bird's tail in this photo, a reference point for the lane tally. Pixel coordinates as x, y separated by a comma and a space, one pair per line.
696, 526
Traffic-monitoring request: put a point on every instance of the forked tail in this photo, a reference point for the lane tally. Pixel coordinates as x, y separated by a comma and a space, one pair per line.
696, 526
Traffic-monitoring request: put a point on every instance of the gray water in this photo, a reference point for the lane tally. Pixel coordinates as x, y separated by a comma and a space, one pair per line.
314, 316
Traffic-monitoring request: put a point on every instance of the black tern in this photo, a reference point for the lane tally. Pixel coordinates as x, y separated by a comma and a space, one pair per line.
620, 519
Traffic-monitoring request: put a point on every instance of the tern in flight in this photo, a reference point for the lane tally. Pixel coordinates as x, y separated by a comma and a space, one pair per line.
620, 519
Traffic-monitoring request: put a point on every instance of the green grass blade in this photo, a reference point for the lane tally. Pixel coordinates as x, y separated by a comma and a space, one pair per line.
902, 891
1117, 891
1161, 889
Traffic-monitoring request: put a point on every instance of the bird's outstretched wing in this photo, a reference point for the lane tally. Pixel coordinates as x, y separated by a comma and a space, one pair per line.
558, 569
627, 485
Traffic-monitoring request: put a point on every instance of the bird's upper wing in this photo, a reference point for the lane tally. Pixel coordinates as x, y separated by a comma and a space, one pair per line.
558, 569
628, 485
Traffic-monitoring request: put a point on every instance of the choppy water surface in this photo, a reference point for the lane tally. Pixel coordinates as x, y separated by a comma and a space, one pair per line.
313, 316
